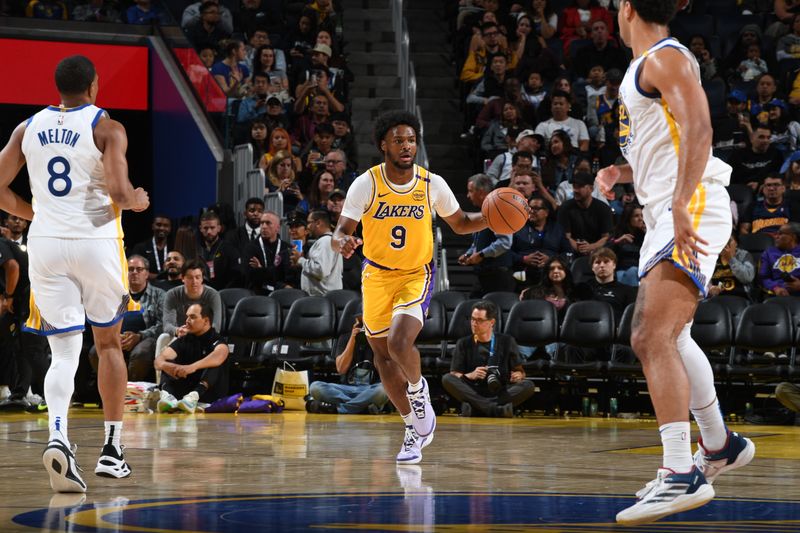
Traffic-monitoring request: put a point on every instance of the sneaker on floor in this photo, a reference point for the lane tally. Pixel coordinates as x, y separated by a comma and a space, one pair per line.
167, 403
59, 461
411, 451
667, 494
189, 402
423, 416
504, 411
112, 463
737, 452
466, 409
319, 407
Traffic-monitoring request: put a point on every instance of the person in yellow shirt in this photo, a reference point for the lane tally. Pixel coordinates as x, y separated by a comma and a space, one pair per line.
395, 201
492, 42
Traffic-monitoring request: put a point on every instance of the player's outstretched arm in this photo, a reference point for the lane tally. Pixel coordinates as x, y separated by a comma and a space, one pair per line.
111, 139
11, 161
466, 223
343, 241
673, 75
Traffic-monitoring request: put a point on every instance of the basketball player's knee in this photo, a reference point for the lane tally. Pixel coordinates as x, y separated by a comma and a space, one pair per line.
399, 343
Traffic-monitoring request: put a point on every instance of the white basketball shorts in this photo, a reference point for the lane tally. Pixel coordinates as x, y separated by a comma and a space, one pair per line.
74, 281
710, 208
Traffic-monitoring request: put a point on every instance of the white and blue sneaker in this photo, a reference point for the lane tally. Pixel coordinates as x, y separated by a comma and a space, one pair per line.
411, 451
423, 416
667, 494
737, 452
59, 461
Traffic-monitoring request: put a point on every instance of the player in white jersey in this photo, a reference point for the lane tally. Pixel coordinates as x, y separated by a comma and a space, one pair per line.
665, 135
79, 183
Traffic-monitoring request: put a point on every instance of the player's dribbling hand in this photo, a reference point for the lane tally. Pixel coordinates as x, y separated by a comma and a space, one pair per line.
607, 177
141, 200
348, 245
687, 241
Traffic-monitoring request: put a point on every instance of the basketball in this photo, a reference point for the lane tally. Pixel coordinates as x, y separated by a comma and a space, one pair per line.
506, 210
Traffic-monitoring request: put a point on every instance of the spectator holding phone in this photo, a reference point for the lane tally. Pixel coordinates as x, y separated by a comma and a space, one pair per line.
360, 390
282, 178
322, 268
539, 239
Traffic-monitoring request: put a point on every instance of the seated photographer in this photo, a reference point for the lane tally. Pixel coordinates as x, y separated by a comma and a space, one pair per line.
193, 365
360, 390
486, 373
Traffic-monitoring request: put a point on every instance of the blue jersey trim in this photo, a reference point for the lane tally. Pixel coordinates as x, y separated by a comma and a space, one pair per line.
67, 109
47, 333
112, 321
97, 117
28, 122
639, 87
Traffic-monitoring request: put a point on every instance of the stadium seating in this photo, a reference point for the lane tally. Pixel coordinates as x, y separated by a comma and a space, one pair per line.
533, 323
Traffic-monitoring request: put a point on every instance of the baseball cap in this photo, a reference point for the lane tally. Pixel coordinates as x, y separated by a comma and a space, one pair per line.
525, 133
272, 100
776, 102
324, 48
737, 95
337, 192
795, 156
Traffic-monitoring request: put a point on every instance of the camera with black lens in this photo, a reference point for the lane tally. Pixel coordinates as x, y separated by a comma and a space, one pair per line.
493, 381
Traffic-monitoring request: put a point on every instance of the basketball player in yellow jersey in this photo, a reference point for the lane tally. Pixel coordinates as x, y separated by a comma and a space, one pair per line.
75, 156
395, 202
665, 136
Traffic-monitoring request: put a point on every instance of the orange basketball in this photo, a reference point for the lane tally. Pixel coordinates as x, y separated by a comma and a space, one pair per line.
506, 210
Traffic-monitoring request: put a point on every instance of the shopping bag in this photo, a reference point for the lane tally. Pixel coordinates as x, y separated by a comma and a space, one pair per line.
291, 386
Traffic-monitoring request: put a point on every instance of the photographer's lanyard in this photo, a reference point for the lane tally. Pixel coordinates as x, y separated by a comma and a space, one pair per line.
491, 348
277, 260
158, 258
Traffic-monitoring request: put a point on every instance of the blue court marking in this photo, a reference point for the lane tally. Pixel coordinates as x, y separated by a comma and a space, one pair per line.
417, 511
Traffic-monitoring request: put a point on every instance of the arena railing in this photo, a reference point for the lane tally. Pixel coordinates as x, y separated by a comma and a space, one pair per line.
405, 72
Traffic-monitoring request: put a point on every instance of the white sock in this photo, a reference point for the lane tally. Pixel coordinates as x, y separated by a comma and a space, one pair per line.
677, 445
415, 387
703, 400
59, 383
712, 426
407, 419
113, 433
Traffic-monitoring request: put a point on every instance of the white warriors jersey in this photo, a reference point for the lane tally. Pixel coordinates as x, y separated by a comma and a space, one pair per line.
649, 137
70, 197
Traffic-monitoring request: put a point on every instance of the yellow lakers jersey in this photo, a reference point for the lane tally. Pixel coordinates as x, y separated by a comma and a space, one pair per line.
398, 225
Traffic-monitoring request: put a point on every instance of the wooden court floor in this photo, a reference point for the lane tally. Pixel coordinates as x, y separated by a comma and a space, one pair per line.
298, 472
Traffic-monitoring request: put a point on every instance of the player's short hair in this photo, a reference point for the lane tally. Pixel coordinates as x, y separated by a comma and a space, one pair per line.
141, 258
254, 200
390, 119
210, 215
321, 214
655, 11
193, 264
323, 129
482, 182
488, 306
74, 75
206, 311
517, 155
603, 253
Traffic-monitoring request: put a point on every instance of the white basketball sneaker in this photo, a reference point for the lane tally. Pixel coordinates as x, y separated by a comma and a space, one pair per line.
667, 494
411, 451
737, 452
59, 461
423, 416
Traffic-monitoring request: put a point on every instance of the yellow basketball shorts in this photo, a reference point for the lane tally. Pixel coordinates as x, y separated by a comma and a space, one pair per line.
387, 292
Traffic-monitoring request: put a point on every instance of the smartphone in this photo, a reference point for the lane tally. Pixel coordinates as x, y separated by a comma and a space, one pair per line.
298, 245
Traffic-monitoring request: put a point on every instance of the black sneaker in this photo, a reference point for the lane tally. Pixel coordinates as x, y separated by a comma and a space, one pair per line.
112, 463
318, 407
59, 461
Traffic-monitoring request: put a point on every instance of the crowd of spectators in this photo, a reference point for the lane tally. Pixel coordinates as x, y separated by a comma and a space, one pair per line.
540, 83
